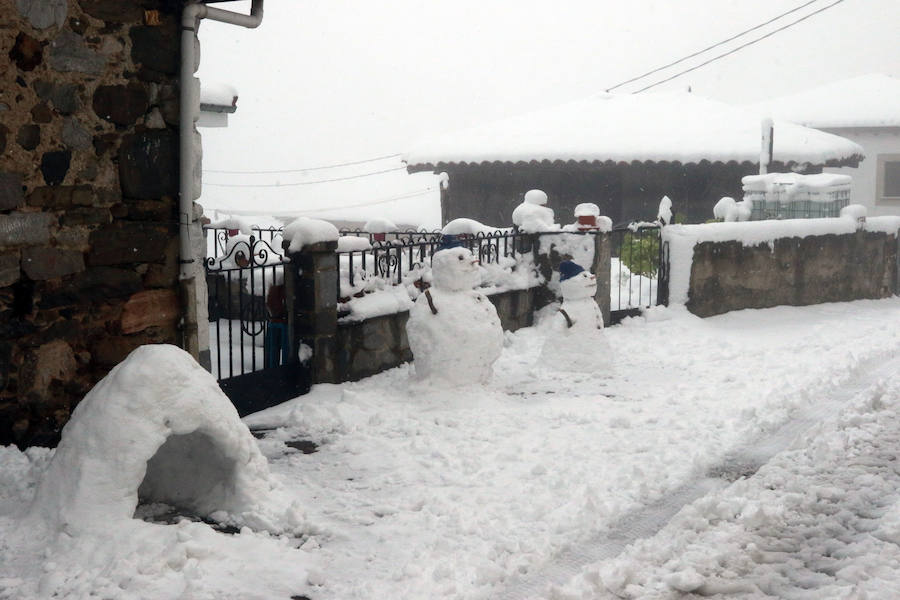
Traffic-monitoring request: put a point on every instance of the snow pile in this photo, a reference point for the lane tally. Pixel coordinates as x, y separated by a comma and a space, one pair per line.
454, 331
533, 215
242, 225
157, 426
587, 209
856, 213
818, 521
304, 231
353, 243
664, 213
379, 225
387, 300
729, 211
465, 226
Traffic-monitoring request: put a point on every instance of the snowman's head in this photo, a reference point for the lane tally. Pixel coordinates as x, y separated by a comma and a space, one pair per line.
455, 269
575, 283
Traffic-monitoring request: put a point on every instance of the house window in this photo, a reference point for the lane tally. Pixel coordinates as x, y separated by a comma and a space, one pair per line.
888, 178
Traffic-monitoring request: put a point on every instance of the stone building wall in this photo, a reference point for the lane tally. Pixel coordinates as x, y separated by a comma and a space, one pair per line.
88, 199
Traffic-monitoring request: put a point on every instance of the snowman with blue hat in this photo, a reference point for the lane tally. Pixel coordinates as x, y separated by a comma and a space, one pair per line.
453, 330
576, 341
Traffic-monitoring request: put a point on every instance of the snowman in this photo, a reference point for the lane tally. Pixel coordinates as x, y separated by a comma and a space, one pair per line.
533, 215
454, 331
576, 341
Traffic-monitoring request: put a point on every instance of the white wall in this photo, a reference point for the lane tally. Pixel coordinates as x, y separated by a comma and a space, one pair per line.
874, 142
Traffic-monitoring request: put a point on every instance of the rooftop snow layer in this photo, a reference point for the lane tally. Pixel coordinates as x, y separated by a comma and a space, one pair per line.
671, 126
866, 101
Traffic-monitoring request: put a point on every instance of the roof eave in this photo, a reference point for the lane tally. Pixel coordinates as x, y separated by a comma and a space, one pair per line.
440, 166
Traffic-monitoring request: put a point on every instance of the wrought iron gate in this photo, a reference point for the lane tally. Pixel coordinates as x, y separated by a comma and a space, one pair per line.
250, 342
639, 270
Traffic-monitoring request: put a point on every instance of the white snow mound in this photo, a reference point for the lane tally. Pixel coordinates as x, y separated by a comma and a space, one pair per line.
157, 426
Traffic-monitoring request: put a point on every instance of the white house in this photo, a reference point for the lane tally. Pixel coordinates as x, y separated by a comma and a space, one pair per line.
866, 110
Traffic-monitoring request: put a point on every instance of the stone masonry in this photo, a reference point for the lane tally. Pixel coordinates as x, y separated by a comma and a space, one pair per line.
88, 199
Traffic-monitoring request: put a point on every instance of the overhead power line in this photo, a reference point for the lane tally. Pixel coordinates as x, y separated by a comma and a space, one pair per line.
373, 203
319, 168
741, 47
708, 48
298, 183
330, 208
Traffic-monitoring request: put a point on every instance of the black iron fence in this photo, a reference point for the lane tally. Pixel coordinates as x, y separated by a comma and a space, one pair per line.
249, 337
402, 258
249, 341
639, 269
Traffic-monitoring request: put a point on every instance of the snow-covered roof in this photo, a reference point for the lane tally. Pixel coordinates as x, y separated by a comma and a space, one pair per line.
670, 126
866, 101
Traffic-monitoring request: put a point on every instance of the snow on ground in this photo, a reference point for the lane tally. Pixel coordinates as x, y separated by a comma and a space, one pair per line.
422, 492
821, 520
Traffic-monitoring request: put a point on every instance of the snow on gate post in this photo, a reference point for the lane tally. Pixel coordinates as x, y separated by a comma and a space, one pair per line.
311, 286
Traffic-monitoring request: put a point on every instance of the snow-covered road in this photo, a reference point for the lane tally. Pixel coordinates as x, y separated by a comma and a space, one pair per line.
740, 463
819, 520
510, 489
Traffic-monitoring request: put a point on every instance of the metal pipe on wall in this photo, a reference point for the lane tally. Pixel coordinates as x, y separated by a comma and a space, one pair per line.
189, 108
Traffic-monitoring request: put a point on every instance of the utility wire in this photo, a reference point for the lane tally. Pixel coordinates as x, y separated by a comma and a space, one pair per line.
741, 47
381, 201
716, 45
334, 166
297, 183
291, 213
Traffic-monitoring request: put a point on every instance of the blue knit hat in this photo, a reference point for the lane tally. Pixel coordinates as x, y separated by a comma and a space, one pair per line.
568, 269
448, 241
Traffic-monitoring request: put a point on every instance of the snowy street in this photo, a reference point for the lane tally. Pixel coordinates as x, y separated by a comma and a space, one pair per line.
544, 484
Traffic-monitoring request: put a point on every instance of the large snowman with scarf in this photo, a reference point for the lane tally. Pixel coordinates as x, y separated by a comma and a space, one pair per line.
576, 341
454, 331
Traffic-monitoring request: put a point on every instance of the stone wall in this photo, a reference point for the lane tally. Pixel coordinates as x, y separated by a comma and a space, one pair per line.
374, 345
88, 196
794, 271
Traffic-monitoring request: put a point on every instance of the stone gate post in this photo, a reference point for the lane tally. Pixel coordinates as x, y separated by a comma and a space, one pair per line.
311, 284
601, 268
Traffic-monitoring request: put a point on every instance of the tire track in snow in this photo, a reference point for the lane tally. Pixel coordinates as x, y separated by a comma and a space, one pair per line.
646, 521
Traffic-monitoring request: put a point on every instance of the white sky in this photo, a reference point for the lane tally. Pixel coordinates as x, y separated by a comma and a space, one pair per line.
326, 82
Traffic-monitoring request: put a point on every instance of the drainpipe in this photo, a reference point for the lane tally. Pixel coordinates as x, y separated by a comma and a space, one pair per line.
188, 112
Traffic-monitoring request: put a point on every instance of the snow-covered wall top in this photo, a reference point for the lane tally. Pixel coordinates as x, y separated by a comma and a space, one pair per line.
867, 101
670, 126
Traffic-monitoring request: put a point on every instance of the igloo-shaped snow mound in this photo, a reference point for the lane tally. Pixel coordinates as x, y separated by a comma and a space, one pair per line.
157, 426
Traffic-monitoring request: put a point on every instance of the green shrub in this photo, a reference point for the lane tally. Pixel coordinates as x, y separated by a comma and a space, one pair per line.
640, 253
